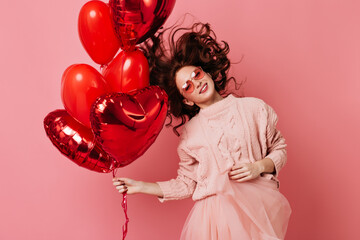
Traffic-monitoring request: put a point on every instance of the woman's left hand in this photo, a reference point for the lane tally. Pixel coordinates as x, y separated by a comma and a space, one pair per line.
245, 171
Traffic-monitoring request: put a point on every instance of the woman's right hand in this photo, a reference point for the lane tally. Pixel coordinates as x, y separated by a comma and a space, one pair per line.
127, 185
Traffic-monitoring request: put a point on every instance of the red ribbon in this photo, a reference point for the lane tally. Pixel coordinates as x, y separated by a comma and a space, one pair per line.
124, 205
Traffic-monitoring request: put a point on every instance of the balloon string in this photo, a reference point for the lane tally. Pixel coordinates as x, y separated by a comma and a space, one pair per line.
114, 172
124, 205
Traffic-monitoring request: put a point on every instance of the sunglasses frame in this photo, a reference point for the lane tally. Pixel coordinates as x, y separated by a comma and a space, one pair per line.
190, 81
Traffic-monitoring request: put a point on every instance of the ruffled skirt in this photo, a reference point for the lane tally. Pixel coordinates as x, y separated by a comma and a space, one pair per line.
252, 210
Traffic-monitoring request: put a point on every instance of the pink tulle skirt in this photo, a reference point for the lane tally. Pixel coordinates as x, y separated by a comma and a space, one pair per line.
252, 210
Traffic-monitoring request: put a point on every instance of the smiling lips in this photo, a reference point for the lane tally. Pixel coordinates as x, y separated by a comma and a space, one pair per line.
203, 89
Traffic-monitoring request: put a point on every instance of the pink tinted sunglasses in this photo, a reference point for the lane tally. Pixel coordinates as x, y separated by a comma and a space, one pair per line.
197, 74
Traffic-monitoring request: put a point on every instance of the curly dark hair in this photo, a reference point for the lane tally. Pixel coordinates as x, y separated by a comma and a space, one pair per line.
197, 47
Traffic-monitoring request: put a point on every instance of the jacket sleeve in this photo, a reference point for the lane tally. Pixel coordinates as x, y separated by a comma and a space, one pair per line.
184, 184
276, 146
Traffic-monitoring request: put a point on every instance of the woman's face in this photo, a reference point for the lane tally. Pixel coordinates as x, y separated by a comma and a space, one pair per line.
196, 86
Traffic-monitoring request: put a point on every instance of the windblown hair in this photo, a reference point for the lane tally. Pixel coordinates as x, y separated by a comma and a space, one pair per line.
196, 47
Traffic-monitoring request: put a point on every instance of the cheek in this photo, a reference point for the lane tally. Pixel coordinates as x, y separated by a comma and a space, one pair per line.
212, 84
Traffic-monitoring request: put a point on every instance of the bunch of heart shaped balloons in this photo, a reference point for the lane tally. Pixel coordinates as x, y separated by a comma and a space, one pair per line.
111, 118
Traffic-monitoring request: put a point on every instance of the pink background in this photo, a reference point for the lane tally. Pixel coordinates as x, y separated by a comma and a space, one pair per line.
302, 57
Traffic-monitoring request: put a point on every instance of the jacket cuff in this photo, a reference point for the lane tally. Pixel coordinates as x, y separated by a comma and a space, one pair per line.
166, 189
276, 157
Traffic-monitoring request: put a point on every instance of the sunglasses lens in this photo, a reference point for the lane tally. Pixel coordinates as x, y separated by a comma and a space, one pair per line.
198, 74
188, 87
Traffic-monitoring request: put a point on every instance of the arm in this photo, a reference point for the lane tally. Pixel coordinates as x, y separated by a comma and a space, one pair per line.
151, 189
181, 187
184, 184
131, 186
266, 165
276, 146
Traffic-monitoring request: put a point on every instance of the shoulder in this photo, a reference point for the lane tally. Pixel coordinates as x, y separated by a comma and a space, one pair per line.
251, 103
190, 125
186, 128
259, 108
189, 137
191, 131
264, 110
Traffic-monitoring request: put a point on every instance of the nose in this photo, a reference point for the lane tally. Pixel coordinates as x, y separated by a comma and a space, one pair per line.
198, 84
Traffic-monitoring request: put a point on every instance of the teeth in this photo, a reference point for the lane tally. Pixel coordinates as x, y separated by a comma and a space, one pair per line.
203, 87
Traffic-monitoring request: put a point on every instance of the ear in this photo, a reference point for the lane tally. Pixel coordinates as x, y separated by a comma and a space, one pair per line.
188, 102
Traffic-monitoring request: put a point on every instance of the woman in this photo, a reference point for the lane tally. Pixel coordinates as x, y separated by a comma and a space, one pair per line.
230, 150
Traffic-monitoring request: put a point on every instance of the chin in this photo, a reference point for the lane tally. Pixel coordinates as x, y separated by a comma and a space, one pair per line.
207, 96
210, 92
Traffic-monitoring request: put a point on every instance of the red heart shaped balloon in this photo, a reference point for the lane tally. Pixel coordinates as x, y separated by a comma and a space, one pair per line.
77, 142
128, 71
81, 84
96, 32
126, 125
136, 20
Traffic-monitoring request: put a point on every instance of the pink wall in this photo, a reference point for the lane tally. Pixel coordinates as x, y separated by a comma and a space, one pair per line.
302, 57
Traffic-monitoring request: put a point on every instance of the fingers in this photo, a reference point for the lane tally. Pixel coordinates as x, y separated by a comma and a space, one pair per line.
239, 166
127, 181
243, 179
120, 185
122, 188
234, 172
238, 171
240, 175
120, 179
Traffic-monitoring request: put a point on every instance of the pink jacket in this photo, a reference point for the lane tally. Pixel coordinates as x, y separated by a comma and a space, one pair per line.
227, 132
